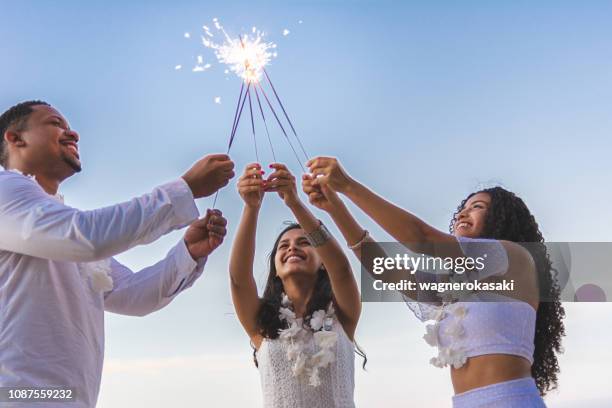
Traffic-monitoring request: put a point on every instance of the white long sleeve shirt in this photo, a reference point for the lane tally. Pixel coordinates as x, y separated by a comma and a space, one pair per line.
51, 314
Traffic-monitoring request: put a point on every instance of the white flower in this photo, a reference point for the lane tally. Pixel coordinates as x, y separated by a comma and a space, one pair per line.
286, 314
437, 314
314, 379
316, 321
293, 349
285, 300
460, 311
323, 358
435, 361
454, 329
290, 332
99, 273
299, 365
431, 335
325, 339
456, 358
449, 356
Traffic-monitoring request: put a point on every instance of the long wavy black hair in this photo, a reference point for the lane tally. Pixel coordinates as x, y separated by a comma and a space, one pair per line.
509, 219
268, 321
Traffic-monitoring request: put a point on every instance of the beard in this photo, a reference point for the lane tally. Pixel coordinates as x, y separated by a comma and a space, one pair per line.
72, 162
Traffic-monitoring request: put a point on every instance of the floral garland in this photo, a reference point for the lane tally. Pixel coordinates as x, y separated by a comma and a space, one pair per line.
296, 335
99, 271
448, 355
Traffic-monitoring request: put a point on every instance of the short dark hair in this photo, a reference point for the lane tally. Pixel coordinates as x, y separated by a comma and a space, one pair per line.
16, 116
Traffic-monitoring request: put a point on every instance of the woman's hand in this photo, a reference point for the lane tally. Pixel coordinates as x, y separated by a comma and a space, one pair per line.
283, 182
320, 195
327, 170
251, 185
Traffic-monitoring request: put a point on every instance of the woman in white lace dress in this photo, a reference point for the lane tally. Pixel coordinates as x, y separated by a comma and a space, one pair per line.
303, 326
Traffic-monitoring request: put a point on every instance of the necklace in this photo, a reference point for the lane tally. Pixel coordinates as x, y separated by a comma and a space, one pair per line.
304, 365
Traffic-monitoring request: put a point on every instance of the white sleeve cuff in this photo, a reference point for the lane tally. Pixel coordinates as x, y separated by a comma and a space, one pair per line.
182, 201
187, 269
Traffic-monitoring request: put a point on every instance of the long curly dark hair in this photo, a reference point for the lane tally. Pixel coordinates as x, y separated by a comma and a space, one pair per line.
268, 321
509, 219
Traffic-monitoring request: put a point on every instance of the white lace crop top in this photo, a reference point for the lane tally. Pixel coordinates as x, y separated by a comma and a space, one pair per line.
288, 383
490, 324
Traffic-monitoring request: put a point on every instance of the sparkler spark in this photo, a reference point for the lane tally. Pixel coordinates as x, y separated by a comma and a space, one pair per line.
245, 56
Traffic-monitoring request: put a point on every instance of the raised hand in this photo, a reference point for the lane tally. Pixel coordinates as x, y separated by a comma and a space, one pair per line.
283, 182
251, 185
320, 195
327, 170
209, 174
206, 234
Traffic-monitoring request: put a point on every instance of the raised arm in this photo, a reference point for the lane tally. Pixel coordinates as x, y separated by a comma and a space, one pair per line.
37, 224
344, 286
242, 283
154, 287
399, 223
326, 199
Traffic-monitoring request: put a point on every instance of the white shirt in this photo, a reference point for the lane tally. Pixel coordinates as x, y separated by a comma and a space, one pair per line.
51, 316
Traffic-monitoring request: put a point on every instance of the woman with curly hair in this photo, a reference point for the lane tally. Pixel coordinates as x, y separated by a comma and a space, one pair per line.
502, 353
303, 327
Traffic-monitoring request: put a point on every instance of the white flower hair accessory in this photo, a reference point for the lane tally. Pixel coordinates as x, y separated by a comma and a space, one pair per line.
306, 366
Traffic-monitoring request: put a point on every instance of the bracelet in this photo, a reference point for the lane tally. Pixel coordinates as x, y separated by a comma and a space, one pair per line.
319, 236
366, 235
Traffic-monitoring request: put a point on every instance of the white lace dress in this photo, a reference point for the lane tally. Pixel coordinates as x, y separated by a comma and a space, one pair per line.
281, 389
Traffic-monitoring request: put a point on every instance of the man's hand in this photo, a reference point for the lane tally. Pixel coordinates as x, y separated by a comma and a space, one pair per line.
206, 234
209, 174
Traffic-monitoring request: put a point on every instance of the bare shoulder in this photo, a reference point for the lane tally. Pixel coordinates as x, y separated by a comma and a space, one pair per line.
520, 259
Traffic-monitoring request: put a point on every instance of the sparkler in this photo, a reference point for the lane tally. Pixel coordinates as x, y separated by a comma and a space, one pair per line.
247, 56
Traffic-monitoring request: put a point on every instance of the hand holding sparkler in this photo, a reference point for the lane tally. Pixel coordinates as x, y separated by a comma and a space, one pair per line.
283, 182
320, 195
209, 174
328, 171
251, 185
206, 234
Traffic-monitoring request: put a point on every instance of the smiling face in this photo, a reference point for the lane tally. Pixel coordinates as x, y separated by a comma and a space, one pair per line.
294, 254
470, 221
46, 144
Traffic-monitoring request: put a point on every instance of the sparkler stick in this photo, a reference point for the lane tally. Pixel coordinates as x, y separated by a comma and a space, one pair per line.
253, 127
247, 57
281, 126
235, 116
234, 127
238, 119
265, 123
284, 111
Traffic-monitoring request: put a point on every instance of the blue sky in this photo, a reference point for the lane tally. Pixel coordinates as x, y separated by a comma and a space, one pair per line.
423, 102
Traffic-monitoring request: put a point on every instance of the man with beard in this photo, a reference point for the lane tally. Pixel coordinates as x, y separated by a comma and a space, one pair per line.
57, 274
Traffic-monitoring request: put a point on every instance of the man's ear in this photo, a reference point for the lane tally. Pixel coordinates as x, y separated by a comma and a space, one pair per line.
14, 138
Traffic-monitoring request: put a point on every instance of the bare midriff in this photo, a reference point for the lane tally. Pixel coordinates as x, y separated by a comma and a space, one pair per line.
480, 371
